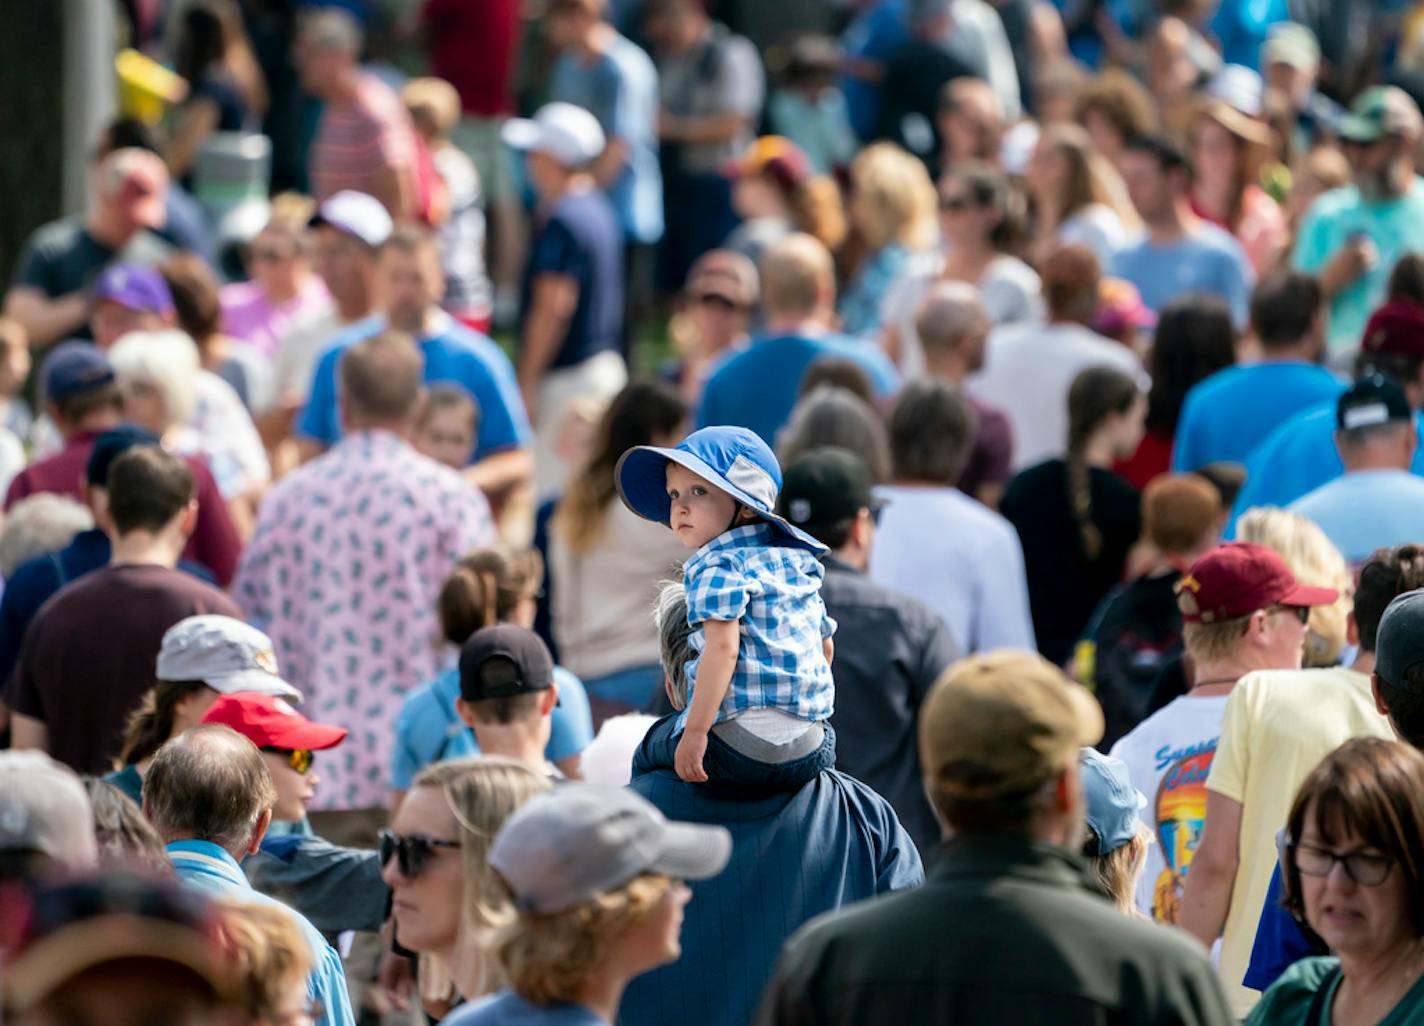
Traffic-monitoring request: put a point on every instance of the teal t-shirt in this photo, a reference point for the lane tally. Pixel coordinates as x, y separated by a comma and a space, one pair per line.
1395, 227
1288, 1001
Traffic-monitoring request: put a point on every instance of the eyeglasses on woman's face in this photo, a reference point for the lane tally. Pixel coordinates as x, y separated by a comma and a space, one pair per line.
1368, 869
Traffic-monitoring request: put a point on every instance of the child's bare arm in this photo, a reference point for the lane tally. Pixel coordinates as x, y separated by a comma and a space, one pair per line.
828, 646
723, 642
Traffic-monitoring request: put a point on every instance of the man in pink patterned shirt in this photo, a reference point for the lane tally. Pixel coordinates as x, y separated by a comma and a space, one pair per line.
346, 563
365, 140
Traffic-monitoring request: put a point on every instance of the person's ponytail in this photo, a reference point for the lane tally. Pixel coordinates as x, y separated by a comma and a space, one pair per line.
151, 724
484, 587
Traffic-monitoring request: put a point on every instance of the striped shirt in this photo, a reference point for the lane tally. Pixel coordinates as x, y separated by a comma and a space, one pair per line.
775, 592
359, 137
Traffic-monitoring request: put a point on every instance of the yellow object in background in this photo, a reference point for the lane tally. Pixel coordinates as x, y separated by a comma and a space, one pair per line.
146, 87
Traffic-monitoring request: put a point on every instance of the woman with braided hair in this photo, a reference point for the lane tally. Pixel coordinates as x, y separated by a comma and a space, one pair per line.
1076, 519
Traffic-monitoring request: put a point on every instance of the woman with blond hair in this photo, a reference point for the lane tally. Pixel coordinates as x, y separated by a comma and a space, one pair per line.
593, 897
892, 208
492, 585
1078, 196
1314, 561
435, 859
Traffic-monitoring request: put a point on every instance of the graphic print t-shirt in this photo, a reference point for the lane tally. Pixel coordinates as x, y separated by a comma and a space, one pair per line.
1169, 756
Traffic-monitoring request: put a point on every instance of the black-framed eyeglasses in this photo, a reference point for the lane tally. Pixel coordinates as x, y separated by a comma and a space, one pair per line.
1365, 869
1301, 613
412, 852
299, 759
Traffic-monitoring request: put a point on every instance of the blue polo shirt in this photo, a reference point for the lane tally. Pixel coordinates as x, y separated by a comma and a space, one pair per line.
1298, 457
428, 729
579, 238
1228, 414
794, 856
205, 867
756, 388
454, 354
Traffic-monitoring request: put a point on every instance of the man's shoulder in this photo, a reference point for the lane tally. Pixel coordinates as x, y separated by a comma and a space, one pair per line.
457, 341
52, 239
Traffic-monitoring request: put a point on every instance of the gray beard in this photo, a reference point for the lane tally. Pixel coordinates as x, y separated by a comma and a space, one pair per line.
1388, 183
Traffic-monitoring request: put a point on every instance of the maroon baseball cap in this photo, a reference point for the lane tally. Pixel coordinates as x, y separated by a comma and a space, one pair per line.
269, 722
1396, 327
1238, 578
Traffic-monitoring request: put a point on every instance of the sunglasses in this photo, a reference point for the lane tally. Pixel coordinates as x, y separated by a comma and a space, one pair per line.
1366, 870
412, 852
299, 759
954, 204
1302, 613
271, 256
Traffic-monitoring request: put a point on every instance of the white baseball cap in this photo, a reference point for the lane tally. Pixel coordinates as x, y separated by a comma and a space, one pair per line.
357, 214
562, 131
225, 654
44, 808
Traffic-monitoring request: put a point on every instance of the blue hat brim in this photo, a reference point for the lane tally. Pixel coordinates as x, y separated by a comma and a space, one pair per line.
641, 478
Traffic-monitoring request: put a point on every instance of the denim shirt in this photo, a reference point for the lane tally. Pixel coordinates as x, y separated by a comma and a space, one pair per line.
206, 867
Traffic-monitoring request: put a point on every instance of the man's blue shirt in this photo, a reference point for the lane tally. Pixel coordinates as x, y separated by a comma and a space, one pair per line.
794, 856
206, 867
1297, 458
1228, 414
757, 387
428, 729
453, 354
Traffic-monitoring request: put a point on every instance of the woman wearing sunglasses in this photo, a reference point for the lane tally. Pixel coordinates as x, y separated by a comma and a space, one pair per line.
1353, 869
434, 859
591, 882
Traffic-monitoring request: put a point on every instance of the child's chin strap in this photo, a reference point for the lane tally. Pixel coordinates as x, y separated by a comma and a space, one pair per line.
736, 514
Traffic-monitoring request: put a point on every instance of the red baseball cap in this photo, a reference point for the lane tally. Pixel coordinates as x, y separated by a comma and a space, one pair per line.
1238, 578
268, 721
1396, 327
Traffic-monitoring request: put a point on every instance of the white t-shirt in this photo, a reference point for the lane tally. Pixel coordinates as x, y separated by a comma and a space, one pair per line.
1009, 289
1169, 757
1098, 227
961, 559
1028, 369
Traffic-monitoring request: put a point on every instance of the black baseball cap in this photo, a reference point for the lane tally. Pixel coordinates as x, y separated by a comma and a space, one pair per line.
1399, 644
503, 661
825, 487
1371, 401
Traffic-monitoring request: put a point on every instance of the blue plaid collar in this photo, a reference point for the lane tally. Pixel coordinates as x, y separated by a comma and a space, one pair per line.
738, 537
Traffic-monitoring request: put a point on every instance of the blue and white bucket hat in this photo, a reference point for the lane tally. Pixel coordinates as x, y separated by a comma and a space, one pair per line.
734, 459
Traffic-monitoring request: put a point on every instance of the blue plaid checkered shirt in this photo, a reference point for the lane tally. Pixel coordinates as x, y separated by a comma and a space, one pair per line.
775, 591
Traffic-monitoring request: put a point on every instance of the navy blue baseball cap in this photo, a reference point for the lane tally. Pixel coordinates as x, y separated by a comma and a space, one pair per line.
73, 368
733, 459
1112, 801
112, 444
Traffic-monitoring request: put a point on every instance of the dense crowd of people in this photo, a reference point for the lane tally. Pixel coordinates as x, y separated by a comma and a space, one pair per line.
645, 511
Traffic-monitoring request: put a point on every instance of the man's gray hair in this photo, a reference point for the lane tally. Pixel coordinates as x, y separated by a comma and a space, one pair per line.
330, 28
949, 311
208, 784
835, 416
674, 639
39, 524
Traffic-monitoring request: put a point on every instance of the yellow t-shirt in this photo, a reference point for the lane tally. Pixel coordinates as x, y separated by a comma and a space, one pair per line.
1277, 727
